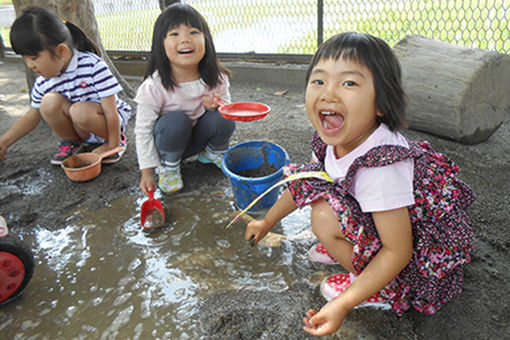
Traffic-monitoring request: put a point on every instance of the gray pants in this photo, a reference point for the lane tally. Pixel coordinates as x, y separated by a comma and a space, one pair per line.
177, 139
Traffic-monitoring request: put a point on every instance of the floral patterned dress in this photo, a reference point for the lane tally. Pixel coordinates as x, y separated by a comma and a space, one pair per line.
442, 236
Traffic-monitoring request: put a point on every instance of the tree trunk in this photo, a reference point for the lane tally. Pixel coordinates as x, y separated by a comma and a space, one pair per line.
80, 13
2, 47
455, 92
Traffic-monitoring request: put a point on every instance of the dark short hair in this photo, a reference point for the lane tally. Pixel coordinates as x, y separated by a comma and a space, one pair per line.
378, 57
173, 16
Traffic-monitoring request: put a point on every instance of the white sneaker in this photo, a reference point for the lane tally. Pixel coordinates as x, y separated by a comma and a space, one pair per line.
170, 180
207, 156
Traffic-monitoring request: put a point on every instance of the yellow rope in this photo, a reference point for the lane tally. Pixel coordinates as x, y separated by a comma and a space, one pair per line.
309, 174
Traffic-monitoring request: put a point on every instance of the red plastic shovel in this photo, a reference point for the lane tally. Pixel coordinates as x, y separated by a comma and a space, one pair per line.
152, 214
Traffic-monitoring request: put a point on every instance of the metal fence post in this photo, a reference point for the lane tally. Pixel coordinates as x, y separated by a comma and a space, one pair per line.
320, 22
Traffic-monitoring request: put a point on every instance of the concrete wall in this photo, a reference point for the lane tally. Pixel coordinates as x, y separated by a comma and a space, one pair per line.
287, 75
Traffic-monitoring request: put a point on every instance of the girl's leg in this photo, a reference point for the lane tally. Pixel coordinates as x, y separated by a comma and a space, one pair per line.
172, 133
326, 227
87, 118
89, 121
55, 111
73, 121
212, 131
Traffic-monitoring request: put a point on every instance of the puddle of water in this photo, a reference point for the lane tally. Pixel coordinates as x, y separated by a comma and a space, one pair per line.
26, 184
102, 276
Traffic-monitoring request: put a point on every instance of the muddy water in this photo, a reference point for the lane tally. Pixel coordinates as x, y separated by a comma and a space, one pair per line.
102, 277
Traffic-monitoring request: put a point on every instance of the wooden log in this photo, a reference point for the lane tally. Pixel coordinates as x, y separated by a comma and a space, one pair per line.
454, 92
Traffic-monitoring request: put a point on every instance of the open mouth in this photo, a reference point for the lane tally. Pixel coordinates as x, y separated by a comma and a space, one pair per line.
331, 120
186, 51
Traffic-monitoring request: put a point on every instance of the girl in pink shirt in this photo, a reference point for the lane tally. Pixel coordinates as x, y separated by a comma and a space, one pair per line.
177, 114
394, 214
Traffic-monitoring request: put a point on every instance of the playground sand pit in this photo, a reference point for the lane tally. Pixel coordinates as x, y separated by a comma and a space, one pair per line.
35, 195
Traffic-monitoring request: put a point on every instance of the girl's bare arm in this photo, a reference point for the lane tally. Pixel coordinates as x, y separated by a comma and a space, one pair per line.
111, 114
259, 228
19, 129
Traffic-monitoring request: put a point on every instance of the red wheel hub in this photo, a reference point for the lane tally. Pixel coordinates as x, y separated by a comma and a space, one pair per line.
12, 273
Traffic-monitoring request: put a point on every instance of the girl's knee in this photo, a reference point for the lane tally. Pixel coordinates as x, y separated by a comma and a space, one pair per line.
219, 129
172, 131
324, 220
229, 126
224, 125
53, 103
172, 122
81, 112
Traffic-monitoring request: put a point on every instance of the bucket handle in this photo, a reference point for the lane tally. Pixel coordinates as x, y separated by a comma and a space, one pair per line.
308, 174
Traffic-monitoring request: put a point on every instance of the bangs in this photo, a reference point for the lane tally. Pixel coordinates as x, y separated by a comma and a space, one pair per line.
351, 47
24, 40
185, 15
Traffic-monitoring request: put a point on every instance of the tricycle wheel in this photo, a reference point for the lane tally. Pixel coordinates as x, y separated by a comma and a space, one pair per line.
16, 268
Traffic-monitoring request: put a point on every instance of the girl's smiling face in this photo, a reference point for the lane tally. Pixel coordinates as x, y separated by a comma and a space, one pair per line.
340, 103
185, 48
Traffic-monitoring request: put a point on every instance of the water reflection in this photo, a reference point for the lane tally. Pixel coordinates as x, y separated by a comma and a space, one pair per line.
102, 276
26, 184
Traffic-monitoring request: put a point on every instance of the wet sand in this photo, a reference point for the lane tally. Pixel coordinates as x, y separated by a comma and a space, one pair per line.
41, 206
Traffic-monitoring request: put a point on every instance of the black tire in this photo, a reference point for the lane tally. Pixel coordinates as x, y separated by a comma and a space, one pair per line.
17, 248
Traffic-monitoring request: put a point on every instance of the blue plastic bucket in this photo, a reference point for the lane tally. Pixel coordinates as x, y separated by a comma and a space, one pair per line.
253, 155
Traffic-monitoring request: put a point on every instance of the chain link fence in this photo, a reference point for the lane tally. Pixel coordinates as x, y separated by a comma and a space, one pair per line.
287, 27
296, 27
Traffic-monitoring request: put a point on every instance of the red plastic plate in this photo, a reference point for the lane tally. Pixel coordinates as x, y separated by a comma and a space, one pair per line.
244, 111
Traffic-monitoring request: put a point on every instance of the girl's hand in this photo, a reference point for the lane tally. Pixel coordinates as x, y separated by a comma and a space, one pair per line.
257, 229
21, 127
147, 182
328, 320
211, 102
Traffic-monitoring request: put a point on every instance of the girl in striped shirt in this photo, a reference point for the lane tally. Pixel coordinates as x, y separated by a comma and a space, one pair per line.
74, 92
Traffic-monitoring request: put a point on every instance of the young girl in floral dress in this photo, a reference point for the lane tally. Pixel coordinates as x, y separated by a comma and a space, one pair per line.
394, 213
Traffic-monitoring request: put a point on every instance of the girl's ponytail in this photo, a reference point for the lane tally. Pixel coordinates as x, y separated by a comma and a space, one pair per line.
81, 41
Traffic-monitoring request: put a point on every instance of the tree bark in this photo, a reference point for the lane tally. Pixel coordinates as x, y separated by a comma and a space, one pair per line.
454, 92
2, 47
80, 13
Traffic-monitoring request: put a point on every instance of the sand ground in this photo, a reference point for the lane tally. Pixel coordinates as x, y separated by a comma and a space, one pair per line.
480, 312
